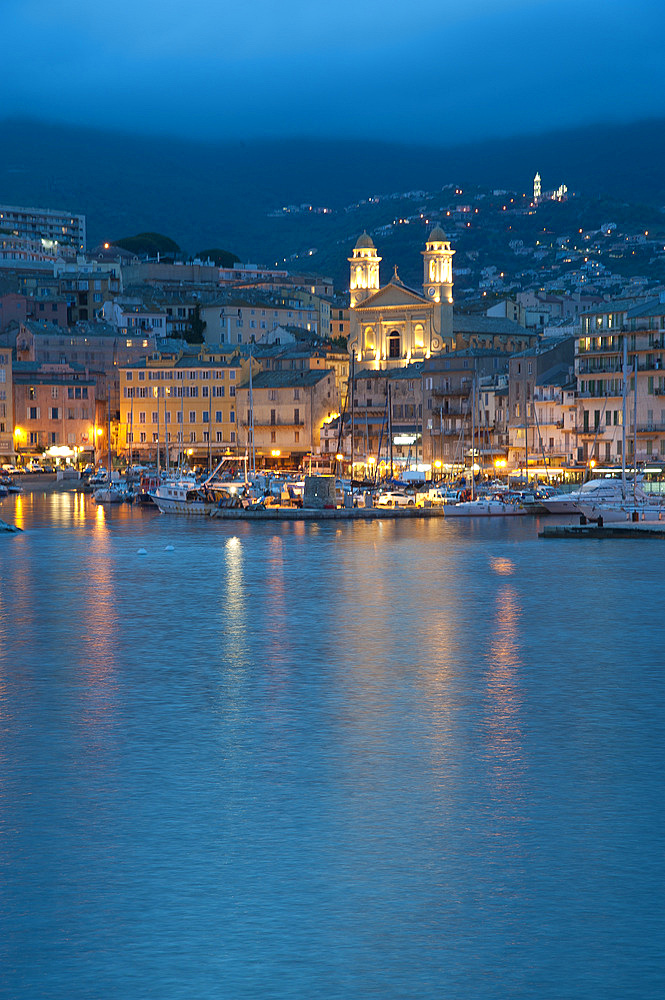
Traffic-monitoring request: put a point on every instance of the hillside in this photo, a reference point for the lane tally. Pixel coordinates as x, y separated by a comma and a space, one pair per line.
227, 195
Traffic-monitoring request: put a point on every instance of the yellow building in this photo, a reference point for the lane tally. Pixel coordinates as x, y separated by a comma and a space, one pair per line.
184, 400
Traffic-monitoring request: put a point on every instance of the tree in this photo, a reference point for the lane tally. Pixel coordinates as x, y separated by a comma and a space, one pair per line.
194, 333
148, 244
222, 258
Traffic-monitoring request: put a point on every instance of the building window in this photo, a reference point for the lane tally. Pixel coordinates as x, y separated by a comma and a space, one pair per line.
192, 416
233, 437
218, 417
142, 438
273, 437
296, 436
394, 347
55, 413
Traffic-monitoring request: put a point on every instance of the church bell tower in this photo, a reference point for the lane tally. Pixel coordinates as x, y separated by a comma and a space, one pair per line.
438, 278
364, 270
438, 267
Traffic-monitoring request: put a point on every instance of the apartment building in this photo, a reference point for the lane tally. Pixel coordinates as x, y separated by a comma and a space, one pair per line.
552, 358
47, 224
183, 401
465, 408
6, 406
55, 406
289, 409
599, 357
240, 321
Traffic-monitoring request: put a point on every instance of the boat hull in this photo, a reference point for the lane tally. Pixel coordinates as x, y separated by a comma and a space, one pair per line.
172, 505
612, 514
483, 508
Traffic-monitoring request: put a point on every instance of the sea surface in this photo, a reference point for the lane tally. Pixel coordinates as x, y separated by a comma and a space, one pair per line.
398, 759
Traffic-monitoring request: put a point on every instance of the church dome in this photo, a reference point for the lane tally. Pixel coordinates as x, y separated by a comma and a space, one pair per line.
437, 236
365, 242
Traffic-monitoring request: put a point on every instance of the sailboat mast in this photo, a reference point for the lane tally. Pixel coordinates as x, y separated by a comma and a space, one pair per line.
251, 415
526, 427
390, 426
108, 436
473, 434
166, 430
623, 417
353, 410
635, 433
158, 430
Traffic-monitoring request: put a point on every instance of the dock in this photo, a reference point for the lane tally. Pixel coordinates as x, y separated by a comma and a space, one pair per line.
620, 530
326, 513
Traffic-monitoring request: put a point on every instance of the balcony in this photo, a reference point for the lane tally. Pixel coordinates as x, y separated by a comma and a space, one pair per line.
649, 429
276, 423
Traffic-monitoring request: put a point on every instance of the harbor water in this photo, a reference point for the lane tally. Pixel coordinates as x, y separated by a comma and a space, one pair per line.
397, 759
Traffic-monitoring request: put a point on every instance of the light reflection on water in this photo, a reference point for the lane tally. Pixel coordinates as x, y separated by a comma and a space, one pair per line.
325, 760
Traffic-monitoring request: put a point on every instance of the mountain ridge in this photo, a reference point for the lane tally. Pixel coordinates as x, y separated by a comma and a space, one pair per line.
221, 194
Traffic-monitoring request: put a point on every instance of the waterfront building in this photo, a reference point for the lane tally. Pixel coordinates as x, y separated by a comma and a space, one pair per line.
52, 226
288, 350
98, 347
6, 406
554, 356
288, 409
554, 435
184, 400
55, 410
465, 409
598, 370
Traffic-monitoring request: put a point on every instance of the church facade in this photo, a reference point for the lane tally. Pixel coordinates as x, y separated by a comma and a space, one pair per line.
395, 326
392, 326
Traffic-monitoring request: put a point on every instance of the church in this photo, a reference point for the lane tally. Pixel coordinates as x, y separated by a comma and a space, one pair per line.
393, 326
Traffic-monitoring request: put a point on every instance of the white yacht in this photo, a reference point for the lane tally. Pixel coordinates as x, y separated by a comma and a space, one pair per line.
496, 506
594, 492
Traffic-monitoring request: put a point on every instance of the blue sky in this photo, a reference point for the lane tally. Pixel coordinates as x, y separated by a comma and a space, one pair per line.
427, 72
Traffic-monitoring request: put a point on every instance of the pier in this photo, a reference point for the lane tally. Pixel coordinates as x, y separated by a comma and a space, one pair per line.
621, 530
325, 513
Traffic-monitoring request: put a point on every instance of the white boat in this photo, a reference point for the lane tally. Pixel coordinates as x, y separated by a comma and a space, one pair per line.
626, 510
183, 498
485, 507
594, 492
